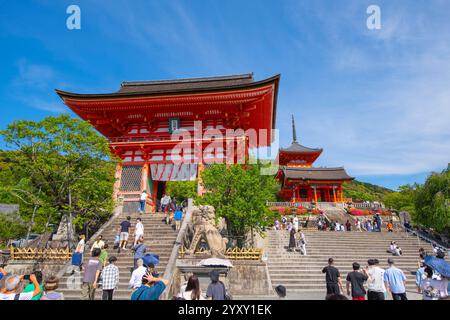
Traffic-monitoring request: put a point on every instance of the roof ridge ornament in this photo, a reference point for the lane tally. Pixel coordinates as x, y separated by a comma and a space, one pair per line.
294, 134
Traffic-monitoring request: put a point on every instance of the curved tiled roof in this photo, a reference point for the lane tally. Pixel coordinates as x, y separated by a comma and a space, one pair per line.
316, 173
296, 147
183, 84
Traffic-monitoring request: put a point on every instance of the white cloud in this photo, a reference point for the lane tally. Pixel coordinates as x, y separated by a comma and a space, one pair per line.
33, 86
397, 120
33, 75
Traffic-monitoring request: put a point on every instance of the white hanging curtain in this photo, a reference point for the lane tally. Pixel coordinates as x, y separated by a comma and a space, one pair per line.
173, 172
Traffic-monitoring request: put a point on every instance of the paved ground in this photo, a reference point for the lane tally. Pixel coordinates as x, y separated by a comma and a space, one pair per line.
312, 295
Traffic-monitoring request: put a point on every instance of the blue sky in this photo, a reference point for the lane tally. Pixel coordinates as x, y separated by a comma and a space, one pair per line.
376, 101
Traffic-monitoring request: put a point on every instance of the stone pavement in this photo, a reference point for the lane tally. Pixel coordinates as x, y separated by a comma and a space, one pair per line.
312, 295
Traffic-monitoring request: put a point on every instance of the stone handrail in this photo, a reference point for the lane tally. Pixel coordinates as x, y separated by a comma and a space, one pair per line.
426, 239
171, 265
363, 205
288, 204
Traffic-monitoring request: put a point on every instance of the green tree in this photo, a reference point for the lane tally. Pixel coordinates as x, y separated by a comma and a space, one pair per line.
432, 202
11, 227
403, 200
239, 194
64, 158
182, 189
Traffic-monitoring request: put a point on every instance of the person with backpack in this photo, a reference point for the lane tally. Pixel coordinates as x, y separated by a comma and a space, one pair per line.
139, 252
77, 257
433, 289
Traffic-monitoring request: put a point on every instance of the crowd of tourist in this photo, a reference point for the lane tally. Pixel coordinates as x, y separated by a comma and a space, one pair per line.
99, 270
13, 287
369, 225
375, 283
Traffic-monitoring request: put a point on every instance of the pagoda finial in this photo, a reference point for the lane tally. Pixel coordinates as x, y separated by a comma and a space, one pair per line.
294, 134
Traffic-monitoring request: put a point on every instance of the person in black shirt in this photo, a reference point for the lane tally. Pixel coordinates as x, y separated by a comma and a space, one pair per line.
332, 278
357, 279
124, 232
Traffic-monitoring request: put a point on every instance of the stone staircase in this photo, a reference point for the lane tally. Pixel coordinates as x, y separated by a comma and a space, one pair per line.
304, 273
159, 239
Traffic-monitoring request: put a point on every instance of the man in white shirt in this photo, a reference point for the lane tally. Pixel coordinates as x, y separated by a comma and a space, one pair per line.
165, 200
136, 277
142, 200
375, 284
138, 231
12, 284
337, 226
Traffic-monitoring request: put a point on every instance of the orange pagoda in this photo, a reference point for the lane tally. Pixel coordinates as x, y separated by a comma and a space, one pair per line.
301, 182
145, 120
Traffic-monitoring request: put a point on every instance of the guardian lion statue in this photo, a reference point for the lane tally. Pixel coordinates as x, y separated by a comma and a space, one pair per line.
204, 227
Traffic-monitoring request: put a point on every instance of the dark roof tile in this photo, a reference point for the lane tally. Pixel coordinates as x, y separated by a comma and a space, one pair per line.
316, 173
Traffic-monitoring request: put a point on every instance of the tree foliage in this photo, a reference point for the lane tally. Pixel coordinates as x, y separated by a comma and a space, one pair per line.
182, 189
402, 200
239, 194
432, 202
64, 158
11, 227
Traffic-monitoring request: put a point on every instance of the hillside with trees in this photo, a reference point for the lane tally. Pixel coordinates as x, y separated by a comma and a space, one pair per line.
363, 191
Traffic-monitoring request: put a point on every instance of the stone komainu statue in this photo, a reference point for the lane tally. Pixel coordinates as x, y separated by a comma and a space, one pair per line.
204, 227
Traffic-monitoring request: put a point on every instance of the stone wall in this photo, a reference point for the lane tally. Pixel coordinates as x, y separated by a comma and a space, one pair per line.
245, 278
27, 267
249, 278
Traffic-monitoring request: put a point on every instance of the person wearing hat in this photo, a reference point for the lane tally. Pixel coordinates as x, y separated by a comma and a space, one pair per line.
51, 284
395, 281
216, 289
